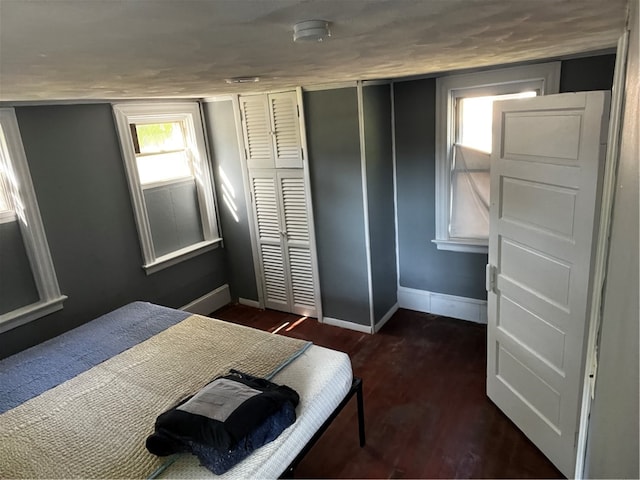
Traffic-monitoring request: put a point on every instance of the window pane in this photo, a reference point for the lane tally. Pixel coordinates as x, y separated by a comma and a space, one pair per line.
163, 167
160, 137
475, 119
5, 202
469, 215
4, 191
174, 216
470, 182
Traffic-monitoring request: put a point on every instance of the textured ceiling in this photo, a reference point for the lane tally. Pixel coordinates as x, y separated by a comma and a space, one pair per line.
112, 49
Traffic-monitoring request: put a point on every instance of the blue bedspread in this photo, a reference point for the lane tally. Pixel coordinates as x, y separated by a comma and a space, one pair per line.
31, 372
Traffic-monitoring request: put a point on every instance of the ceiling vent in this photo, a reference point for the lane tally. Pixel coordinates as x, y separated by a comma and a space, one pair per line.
242, 80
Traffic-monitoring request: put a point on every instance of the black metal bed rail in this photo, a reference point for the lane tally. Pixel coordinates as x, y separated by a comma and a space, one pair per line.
356, 388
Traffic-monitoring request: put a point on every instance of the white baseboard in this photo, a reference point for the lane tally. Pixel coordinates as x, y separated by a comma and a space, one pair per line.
463, 308
249, 303
209, 302
386, 318
349, 325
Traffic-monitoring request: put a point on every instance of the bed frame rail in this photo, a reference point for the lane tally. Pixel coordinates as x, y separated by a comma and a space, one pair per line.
356, 388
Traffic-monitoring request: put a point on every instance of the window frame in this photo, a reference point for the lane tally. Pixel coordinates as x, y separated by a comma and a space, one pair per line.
9, 214
188, 112
544, 77
31, 228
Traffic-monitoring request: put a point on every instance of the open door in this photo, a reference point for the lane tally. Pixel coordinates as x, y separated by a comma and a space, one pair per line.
547, 155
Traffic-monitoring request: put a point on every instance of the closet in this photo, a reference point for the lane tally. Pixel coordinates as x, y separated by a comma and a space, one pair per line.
282, 232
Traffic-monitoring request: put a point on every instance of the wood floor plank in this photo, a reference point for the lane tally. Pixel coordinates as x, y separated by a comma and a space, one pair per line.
427, 413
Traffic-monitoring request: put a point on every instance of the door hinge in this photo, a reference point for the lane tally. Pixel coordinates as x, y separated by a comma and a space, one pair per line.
491, 274
298, 110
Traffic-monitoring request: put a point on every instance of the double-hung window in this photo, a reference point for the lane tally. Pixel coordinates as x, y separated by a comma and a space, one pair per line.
28, 283
464, 113
170, 182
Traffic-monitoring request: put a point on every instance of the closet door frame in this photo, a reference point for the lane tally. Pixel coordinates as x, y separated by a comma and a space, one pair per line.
251, 207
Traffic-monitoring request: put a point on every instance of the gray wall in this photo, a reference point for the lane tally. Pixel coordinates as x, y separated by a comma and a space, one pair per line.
380, 197
613, 434
225, 153
422, 265
17, 286
333, 140
588, 73
79, 179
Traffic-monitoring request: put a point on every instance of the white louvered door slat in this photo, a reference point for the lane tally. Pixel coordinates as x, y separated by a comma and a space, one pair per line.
264, 192
269, 233
302, 285
274, 277
286, 140
256, 125
297, 244
295, 209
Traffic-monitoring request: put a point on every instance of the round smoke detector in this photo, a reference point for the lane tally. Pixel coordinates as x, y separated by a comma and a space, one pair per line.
311, 31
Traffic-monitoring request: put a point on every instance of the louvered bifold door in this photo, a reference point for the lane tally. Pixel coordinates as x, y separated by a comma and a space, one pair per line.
270, 233
256, 125
287, 147
297, 243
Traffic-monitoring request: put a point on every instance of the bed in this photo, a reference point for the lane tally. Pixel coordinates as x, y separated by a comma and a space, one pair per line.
82, 404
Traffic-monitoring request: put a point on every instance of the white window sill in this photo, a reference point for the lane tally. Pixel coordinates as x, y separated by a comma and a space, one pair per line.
7, 216
468, 246
29, 313
181, 255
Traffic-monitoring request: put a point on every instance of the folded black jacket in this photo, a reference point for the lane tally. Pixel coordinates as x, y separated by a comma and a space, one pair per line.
220, 414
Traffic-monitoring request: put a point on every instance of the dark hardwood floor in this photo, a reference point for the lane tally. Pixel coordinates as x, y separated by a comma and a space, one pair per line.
427, 414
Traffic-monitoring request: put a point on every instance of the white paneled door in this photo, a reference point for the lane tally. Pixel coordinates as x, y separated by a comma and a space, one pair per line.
547, 153
284, 244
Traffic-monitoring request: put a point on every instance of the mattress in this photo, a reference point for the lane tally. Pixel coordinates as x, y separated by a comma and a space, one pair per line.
322, 377
321, 391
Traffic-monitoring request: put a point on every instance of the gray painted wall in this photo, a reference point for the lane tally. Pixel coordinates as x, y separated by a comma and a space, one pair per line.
17, 286
223, 141
588, 73
333, 140
422, 265
380, 197
174, 216
613, 434
79, 179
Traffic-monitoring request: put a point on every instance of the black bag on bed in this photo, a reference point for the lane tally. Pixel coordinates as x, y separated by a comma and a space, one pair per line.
225, 421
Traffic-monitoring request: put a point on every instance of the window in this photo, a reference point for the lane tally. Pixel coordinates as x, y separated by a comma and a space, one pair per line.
23, 236
169, 179
464, 112
7, 212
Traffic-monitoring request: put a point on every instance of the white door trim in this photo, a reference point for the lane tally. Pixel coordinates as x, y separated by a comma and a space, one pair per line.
602, 249
248, 198
307, 184
365, 199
